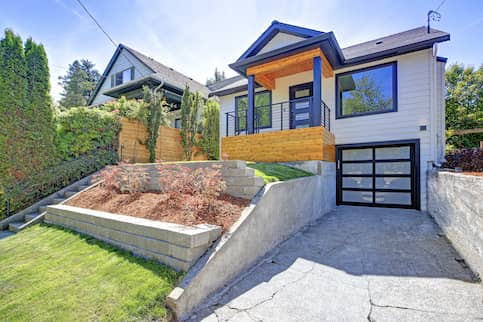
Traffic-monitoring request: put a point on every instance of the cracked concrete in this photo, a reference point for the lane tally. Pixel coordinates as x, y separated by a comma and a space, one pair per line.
355, 264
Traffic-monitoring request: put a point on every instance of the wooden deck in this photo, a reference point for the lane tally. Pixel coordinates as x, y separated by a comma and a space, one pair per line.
314, 143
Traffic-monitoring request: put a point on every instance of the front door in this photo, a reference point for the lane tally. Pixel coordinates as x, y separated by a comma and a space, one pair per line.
300, 105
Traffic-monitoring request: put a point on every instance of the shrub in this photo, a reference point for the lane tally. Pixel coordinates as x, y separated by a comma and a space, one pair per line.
55, 178
210, 130
124, 179
467, 159
82, 129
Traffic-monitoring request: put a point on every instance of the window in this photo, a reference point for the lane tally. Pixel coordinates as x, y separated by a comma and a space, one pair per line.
122, 77
367, 91
263, 110
177, 123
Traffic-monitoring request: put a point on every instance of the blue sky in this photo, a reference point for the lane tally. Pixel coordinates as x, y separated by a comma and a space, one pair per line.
194, 37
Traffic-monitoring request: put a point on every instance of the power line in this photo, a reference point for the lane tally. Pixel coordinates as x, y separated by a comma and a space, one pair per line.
440, 5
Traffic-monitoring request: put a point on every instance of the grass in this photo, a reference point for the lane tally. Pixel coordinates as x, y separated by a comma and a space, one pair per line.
271, 172
53, 274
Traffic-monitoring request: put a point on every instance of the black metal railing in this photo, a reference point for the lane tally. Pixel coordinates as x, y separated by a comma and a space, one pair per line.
275, 117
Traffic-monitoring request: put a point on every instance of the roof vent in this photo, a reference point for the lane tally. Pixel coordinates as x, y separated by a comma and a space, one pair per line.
379, 42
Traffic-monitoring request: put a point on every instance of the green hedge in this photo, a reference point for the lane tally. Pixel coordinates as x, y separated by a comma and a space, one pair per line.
55, 178
82, 129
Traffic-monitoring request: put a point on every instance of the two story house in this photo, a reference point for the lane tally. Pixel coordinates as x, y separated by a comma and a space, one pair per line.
375, 108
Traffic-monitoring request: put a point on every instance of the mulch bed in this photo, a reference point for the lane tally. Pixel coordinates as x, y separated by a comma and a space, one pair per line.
222, 211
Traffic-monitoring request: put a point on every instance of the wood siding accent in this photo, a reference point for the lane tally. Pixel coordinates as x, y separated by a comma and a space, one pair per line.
314, 143
266, 73
168, 146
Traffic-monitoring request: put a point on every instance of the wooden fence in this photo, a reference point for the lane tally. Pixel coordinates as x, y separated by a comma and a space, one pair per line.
168, 146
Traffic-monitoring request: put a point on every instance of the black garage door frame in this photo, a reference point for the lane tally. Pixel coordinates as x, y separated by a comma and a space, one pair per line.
415, 173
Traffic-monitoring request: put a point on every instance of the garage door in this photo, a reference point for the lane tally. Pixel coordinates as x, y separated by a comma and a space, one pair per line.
381, 175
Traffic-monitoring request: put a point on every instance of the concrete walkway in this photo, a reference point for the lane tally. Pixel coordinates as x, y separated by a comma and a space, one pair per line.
356, 264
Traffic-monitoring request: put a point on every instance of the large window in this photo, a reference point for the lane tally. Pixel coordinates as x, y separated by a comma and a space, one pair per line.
263, 110
122, 77
367, 91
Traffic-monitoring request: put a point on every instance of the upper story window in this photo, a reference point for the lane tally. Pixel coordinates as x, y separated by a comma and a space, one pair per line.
263, 109
122, 77
367, 91
177, 123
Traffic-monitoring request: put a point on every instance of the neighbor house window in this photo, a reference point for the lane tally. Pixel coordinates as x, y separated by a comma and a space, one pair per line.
177, 123
263, 110
122, 77
367, 91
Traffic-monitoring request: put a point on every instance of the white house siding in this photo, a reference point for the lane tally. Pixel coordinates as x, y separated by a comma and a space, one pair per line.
420, 102
280, 40
124, 61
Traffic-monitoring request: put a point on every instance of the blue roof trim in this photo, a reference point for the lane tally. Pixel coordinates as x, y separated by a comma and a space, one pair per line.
441, 59
272, 31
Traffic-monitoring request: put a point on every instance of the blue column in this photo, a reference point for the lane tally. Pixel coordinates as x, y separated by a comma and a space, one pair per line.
251, 104
317, 92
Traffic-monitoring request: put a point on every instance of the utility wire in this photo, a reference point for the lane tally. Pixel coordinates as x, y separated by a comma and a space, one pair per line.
440, 5
107, 35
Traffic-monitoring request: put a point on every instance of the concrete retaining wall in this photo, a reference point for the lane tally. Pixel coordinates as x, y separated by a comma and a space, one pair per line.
175, 245
240, 180
456, 203
277, 212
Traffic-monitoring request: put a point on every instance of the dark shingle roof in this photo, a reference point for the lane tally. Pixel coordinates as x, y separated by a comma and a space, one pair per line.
168, 74
405, 38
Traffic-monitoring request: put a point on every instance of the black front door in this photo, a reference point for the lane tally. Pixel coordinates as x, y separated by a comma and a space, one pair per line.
379, 174
300, 105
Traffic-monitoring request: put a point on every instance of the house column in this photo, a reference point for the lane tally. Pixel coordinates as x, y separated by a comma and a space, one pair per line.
315, 119
251, 104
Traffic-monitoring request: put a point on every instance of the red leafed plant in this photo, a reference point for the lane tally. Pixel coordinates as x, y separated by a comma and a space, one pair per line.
124, 179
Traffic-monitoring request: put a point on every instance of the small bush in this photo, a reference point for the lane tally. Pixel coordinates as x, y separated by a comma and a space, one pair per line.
467, 159
50, 180
82, 129
124, 179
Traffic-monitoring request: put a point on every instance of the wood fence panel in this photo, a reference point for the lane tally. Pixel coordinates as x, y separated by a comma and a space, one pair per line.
314, 143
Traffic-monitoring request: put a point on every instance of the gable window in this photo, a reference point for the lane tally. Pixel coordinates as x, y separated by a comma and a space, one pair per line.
367, 91
177, 123
122, 77
263, 110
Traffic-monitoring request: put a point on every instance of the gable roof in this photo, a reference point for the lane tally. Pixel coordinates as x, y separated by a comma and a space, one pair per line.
275, 28
160, 71
392, 45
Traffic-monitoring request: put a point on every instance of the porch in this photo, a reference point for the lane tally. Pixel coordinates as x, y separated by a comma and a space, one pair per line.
293, 129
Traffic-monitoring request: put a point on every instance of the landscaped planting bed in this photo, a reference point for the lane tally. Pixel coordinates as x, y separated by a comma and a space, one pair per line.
186, 196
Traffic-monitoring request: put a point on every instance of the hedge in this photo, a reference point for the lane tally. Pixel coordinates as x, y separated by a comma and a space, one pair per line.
467, 159
83, 129
55, 178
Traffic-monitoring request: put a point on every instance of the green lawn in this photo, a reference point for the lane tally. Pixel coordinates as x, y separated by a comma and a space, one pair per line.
52, 274
271, 172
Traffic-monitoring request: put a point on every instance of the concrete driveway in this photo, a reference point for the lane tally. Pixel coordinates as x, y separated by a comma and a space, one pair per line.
356, 264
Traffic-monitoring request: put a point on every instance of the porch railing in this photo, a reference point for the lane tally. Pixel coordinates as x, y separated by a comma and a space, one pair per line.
274, 117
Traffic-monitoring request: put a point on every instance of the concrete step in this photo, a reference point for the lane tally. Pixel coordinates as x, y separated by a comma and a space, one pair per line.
243, 192
29, 217
15, 226
42, 209
6, 233
82, 187
244, 181
235, 172
69, 194
57, 200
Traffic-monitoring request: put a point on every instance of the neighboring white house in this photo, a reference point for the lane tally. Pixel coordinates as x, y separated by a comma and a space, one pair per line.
129, 70
382, 99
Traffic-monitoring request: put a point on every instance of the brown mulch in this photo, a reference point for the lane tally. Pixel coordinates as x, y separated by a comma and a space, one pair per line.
223, 211
479, 174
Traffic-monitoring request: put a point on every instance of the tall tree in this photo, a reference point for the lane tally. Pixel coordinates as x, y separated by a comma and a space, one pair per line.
13, 90
39, 105
78, 83
218, 76
191, 105
464, 104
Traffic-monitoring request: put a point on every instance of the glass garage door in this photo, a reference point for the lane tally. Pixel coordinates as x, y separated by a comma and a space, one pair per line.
383, 175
